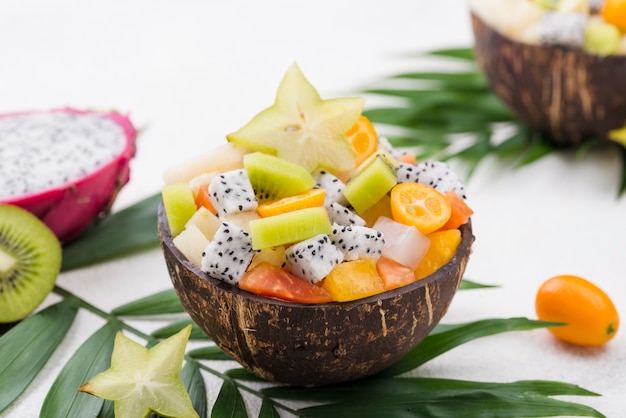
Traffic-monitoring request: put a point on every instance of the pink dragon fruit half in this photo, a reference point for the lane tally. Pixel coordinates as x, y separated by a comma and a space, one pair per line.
65, 165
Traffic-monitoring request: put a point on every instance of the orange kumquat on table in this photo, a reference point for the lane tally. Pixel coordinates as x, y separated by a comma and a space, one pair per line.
590, 316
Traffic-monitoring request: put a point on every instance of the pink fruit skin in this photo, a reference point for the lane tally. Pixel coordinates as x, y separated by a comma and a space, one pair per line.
72, 207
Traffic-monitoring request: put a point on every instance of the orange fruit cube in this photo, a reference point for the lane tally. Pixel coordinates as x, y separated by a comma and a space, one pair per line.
353, 280
363, 138
443, 245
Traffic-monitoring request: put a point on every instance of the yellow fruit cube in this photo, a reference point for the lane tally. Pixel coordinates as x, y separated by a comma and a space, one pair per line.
353, 280
442, 247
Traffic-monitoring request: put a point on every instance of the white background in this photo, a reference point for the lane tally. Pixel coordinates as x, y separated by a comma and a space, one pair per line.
189, 72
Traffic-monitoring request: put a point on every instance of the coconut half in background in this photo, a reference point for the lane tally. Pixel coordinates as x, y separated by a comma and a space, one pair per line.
561, 90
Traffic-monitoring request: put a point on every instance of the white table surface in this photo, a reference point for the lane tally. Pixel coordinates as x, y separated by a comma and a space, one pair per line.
189, 72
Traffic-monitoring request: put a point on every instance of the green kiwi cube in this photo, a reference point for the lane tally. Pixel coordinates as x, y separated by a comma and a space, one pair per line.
274, 178
373, 179
289, 227
179, 205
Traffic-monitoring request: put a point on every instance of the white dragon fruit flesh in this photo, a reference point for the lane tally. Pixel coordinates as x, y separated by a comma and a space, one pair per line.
231, 192
383, 143
566, 29
436, 174
65, 165
357, 241
595, 5
341, 215
332, 185
313, 259
228, 254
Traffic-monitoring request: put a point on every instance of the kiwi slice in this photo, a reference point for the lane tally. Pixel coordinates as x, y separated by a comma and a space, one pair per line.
289, 227
30, 261
275, 178
372, 180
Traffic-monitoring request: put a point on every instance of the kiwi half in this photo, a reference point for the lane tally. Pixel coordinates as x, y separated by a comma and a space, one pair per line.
30, 260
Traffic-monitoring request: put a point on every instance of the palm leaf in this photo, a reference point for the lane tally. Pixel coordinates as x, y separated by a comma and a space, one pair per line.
473, 403
194, 382
461, 81
437, 344
120, 234
243, 374
469, 284
209, 352
229, 402
26, 348
107, 410
432, 397
173, 328
456, 53
372, 387
93, 356
164, 302
268, 410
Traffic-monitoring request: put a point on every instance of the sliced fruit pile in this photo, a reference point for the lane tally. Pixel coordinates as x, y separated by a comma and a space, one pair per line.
597, 27
307, 203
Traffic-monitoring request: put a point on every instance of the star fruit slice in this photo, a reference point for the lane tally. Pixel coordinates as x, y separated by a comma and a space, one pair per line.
143, 380
303, 128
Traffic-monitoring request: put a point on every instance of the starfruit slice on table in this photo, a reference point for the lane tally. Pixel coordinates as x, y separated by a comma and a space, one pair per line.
143, 380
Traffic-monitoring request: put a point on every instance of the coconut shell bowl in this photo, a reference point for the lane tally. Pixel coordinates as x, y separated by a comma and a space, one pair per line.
565, 92
313, 345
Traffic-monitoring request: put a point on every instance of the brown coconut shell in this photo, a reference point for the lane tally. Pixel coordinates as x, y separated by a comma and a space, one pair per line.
312, 345
565, 92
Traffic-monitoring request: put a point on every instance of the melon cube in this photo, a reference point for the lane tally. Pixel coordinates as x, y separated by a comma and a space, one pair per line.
405, 244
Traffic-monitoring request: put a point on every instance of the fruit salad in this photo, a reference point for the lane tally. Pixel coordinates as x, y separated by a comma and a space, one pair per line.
307, 203
595, 26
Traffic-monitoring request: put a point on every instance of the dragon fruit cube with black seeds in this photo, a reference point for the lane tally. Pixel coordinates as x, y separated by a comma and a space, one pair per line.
229, 253
436, 174
358, 241
232, 192
341, 215
332, 185
313, 259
